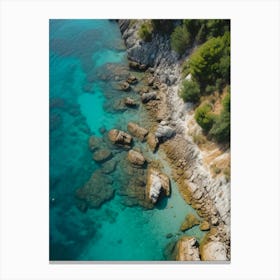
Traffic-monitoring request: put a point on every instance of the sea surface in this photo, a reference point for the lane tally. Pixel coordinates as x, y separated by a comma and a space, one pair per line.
87, 58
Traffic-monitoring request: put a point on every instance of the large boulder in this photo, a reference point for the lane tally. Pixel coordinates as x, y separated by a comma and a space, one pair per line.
102, 155
96, 191
190, 221
187, 249
131, 79
204, 225
213, 251
136, 158
147, 96
137, 131
120, 137
156, 183
164, 132
152, 142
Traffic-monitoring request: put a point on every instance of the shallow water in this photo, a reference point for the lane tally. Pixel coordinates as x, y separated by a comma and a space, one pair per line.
83, 100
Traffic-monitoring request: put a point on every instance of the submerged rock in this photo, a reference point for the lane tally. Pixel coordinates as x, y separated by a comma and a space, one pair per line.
109, 166
187, 249
124, 86
130, 102
120, 137
156, 182
136, 158
96, 191
190, 221
93, 143
137, 131
213, 251
102, 155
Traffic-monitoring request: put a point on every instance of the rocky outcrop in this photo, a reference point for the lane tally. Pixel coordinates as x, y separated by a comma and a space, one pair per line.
204, 225
187, 249
148, 96
190, 221
157, 182
209, 196
135, 158
213, 251
102, 155
152, 141
164, 132
95, 192
137, 131
120, 137
109, 166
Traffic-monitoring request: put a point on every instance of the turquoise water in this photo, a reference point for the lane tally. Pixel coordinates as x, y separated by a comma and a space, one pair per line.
86, 56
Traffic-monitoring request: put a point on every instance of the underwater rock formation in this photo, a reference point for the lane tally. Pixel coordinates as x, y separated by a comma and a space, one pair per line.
135, 158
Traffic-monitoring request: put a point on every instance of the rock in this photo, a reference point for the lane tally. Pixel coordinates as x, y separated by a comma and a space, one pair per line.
131, 79
156, 182
130, 102
137, 66
150, 81
102, 155
189, 222
109, 166
137, 131
136, 158
152, 142
213, 251
146, 97
187, 249
96, 191
93, 143
144, 90
164, 132
169, 252
204, 225
169, 235
120, 137
124, 86
102, 129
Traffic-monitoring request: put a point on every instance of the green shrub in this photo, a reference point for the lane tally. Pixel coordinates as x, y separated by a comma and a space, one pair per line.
145, 32
211, 61
220, 130
204, 117
190, 91
180, 39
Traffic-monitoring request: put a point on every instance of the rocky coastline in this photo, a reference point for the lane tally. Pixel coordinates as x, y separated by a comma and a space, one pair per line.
209, 195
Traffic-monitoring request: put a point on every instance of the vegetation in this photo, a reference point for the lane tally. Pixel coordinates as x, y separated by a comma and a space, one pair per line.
180, 39
163, 26
190, 91
220, 130
145, 32
204, 117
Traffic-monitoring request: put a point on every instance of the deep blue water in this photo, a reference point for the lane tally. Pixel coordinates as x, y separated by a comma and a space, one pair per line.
86, 57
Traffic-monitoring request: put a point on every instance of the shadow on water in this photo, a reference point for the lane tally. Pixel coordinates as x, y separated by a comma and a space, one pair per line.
162, 203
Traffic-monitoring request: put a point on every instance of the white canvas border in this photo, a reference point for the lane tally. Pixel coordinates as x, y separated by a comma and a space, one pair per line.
24, 138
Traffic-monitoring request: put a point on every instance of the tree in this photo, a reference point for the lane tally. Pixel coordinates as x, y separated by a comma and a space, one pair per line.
180, 39
204, 117
145, 32
190, 91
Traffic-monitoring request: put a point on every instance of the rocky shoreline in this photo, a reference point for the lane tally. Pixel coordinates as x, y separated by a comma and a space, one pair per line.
209, 195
